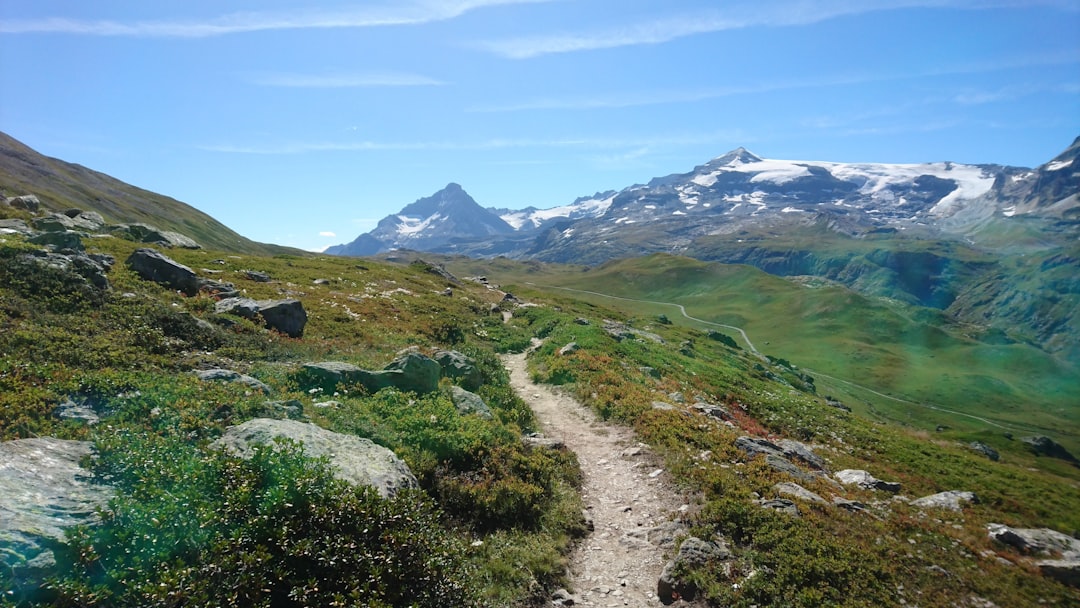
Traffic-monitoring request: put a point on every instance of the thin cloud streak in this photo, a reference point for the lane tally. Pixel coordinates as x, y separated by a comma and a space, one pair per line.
340, 81
777, 14
638, 99
414, 13
490, 144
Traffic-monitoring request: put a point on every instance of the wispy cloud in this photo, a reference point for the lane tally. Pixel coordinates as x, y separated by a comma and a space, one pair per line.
647, 141
391, 13
343, 80
741, 15
668, 96
327, 234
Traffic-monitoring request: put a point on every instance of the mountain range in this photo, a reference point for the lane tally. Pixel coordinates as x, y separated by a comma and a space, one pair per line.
988, 244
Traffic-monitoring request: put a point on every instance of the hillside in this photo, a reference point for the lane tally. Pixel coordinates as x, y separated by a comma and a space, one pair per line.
61, 186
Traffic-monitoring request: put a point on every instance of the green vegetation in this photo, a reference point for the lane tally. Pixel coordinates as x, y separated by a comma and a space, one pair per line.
193, 526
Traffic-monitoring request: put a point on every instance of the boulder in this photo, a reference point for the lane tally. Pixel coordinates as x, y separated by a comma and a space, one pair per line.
459, 367
782, 505
228, 375
88, 272
569, 349
793, 489
469, 403
693, 553
241, 307
26, 202
153, 266
145, 233
953, 500
69, 409
257, 276
54, 222
866, 481
327, 375
784, 448
14, 226
285, 316
62, 240
410, 372
712, 411
1062, 548
1042, 445
291, 409
86, 220
985, 450
45, 491
354, 459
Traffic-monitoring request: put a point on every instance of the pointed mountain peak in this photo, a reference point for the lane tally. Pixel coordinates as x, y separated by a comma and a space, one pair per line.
738, 156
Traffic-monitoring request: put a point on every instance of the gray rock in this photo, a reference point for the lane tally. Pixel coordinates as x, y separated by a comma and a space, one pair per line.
866, 481
60, 240
285, 316
469, 403
86, 220
54, 222
14, 226
410, 372
158, 268
241, 307
784, 448
712, 411
662, 405
1044, 541
218, 289
985, 450
562, 597
321, 282
582, 321
1045, 446
461, 368
327, 375
88, 271
783, 465
26, 202
538, 441
953, 500
68, 409
354, 459
145, 233
693, 553
45, 491
621, 331
782, 505
569, 349
291, 409
849, 505
257, 276
788, 488
228, 375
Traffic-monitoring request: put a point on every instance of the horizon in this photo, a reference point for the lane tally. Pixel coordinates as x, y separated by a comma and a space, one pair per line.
305, 126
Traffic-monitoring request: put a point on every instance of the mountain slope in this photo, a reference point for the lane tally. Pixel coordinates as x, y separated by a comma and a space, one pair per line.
61, 185
429, 223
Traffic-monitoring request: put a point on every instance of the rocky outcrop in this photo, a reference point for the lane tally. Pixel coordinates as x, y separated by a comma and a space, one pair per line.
87, 271
693, 553
145, 233
953, 500
45, 491
161, 269
569, 349
241, 307
461, 368
469, 403
26, 202
866, 481
1063, 550
228, 375
410, 372
793, 489
14, 226
285, 316
354, 459
1042, 445
985, 450
784, 448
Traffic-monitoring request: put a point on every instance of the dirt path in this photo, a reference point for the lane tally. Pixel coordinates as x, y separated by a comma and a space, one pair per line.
625, 492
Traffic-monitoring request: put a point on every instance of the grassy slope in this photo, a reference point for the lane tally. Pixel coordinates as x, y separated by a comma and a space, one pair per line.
906, 352
61, 185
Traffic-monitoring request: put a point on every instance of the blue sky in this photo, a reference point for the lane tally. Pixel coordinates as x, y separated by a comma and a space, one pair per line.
304, 123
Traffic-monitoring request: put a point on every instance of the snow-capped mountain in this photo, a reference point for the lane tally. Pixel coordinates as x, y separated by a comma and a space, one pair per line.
428, 224
733, 193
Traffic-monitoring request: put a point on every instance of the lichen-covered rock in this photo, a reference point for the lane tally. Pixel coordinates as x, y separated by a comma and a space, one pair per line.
145, 233
1064, 550
461, 368
228, 375
866, 481
241, 307
952, 500
1042, 445
784, 448
409, 372
60, 240
985, 450
469, 403
26, 202
788, 488
693, 553
354, 459
43, 491
285, 316
163, 270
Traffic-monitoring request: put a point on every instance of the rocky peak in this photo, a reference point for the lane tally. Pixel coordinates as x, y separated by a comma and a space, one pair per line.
738, 156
